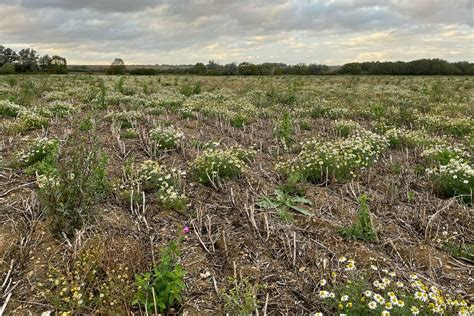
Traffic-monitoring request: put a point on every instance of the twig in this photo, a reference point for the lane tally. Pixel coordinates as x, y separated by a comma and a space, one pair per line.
16, 188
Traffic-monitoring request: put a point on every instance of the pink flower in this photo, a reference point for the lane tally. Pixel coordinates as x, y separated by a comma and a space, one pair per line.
186, 229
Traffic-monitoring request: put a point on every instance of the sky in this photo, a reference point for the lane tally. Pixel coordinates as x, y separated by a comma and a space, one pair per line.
186, 32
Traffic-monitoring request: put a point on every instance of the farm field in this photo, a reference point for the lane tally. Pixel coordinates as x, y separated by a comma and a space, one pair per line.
242, 195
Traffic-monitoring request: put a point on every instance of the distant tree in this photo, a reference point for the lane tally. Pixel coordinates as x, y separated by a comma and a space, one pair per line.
314, 69
7, 69
231, 69
44, 62
27, 60
117, 67
247, 69
351, 69
7, 56
199, 69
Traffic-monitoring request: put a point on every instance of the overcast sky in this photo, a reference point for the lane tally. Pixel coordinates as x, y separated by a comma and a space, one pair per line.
182, 32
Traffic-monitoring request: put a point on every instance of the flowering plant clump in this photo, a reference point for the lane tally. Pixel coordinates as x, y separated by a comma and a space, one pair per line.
32, 119
456, 178
350, 291
453, 126
443, 153
340, 159
38, 151
129, 133
400, 137
88, 284
57, 109
344, 128
214, 165
126, 119
166, 137
338, 112
9, 109
150, 177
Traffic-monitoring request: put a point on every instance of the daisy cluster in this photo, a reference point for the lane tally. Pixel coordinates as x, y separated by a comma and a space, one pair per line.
454, 126
126, 119
87, 283
223, 105
400, 137
442, 153
56, 95
214, 165
39, 149
166, 137
345, 128
454, 178
30, 119
56, 109
9, 109
339, 159
348, 291
151, 177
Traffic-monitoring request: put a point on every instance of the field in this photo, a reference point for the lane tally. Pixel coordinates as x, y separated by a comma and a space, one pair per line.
204, 195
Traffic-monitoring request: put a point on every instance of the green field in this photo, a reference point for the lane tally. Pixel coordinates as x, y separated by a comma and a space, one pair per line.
211, 195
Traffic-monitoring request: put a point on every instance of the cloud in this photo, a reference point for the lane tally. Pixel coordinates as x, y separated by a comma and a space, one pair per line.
188, 31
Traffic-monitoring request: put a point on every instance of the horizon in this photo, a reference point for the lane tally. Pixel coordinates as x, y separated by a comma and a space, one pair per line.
149, 32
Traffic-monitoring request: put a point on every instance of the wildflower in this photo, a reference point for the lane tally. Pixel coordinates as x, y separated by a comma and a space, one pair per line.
186, 229
318, 314
414, 310
322, 282
400, 303
388, 305
323, 294
385, 313
368, 293
379, 298
345, 298
372, 305
342, 259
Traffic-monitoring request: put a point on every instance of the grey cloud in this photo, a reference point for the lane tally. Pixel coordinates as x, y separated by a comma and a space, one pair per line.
188, 31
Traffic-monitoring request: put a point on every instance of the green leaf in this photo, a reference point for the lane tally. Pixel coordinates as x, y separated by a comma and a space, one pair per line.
301, 210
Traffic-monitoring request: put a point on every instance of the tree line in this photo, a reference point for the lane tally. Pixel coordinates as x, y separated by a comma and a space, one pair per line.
28, 60
415, 67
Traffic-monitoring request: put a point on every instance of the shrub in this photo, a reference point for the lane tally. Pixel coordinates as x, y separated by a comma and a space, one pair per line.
161, 288
72, 184
166, 137
214, 165
7, 69
9, 109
